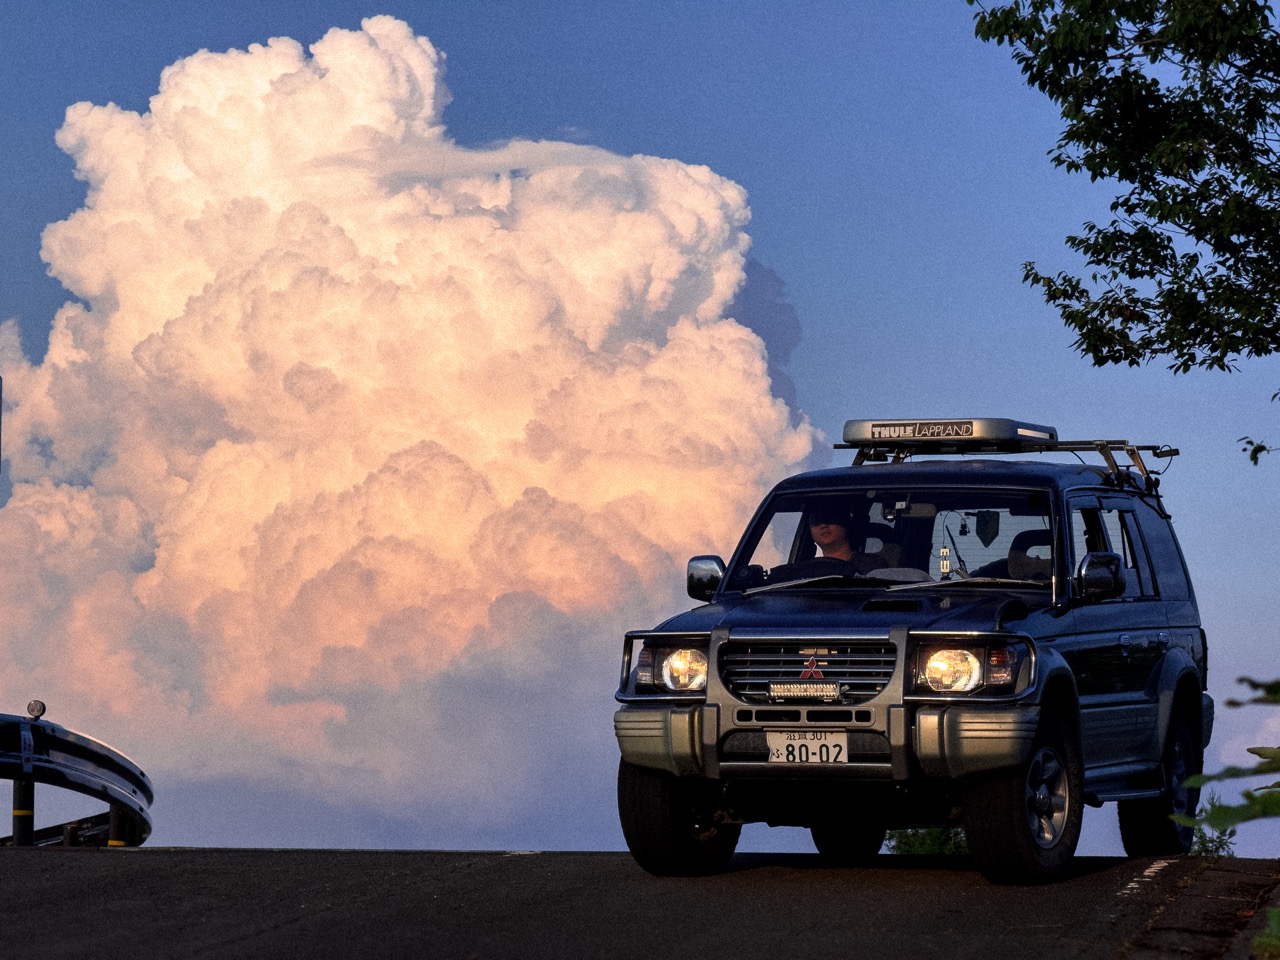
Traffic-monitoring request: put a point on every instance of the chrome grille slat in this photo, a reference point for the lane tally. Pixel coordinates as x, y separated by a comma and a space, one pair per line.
861, 667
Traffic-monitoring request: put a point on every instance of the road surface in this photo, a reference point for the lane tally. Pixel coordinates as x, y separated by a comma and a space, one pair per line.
217, 903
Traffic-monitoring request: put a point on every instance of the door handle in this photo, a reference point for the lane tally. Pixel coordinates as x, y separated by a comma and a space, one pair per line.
1125, 644
1162, 641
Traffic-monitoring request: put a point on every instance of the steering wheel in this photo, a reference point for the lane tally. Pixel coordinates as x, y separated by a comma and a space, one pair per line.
813, 567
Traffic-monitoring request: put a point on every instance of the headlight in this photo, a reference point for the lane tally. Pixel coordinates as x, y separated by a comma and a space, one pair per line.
673, 669
685, 670
952, 671
998, 669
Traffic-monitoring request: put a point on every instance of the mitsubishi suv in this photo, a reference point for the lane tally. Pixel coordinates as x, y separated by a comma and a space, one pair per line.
953, 630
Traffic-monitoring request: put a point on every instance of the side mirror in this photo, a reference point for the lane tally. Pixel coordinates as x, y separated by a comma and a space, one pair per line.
703, 576
1100, 576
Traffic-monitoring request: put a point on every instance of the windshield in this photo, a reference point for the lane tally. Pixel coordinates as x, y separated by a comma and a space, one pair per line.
896, 536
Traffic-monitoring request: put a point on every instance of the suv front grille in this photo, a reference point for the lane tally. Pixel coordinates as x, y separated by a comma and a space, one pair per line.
859, 669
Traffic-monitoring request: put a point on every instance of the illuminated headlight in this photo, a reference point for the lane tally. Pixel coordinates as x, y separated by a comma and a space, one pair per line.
952, 671
678, 670
994, 670
684, 670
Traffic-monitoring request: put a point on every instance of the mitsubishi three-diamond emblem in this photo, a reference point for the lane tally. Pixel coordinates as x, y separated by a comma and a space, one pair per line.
810, 685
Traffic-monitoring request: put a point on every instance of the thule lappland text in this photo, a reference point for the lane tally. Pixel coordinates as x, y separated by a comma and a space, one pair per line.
960, 628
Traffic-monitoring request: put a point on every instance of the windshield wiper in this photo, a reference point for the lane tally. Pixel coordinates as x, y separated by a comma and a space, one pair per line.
976, 582
850, 578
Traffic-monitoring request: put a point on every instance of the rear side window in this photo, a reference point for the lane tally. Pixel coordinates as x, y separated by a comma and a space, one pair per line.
1172, 582
1136, 557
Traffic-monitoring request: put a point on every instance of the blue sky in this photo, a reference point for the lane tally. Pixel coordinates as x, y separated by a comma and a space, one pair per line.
897, 176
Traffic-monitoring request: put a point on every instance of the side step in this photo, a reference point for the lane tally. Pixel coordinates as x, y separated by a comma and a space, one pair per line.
1130, 781
1096, 798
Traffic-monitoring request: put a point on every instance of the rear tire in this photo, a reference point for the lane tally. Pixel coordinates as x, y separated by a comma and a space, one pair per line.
1022, 825
846, 844
1145, 825
670, 822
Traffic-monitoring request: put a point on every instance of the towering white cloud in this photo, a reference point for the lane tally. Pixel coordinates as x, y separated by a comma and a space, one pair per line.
353, 419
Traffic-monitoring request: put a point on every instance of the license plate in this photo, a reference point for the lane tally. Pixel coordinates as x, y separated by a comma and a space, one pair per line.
808, 746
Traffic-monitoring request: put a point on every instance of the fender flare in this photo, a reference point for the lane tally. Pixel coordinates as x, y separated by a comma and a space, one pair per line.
1178, 688
1056, 686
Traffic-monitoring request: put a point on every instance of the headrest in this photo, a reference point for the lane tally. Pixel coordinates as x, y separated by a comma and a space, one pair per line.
1025, 541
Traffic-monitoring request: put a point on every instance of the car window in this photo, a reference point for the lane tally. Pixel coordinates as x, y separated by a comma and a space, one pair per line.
1087, 532
1137, 564
901, 535
1096, 528
1121, 529
1171, 578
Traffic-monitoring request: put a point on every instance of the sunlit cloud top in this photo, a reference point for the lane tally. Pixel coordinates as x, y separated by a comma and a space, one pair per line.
343, 405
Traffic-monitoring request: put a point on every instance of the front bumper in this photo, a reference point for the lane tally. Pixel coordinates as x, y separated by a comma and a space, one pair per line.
665, 738
944, 741
958, 740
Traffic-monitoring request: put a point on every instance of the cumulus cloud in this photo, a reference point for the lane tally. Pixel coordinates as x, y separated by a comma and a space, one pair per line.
761, 306
361, 448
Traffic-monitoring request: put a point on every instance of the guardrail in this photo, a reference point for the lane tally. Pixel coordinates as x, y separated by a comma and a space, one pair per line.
34, 751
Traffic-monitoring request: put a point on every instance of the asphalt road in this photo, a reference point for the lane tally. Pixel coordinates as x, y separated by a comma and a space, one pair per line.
158, 902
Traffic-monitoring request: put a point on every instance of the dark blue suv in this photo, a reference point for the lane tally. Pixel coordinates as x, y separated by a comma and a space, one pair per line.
926, 639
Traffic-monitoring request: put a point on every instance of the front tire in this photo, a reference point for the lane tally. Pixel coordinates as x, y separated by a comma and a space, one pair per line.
1022, 825
1146, 827
670, 823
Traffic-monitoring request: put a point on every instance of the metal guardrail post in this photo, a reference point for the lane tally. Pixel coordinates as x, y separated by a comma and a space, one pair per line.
24, 813
117, 833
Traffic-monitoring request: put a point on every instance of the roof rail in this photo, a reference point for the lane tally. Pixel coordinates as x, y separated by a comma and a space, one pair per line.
896, 440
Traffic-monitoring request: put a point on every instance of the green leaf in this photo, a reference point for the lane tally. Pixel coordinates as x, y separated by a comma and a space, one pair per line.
1270, 690
1266, 945
1257, 806
1176, 103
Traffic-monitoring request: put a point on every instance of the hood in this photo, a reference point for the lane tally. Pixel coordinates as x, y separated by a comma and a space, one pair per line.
952, 608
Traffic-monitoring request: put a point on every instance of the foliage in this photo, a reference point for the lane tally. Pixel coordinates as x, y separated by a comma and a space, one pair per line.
1259, 802
1268, 691
1178, 102
939, 841
1254, 448
1266, 945
1208, 842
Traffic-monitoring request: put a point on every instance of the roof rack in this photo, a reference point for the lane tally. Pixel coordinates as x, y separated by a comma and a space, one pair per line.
896, 440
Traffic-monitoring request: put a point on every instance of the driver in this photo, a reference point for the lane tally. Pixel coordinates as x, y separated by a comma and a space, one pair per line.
830, 531
829, 528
